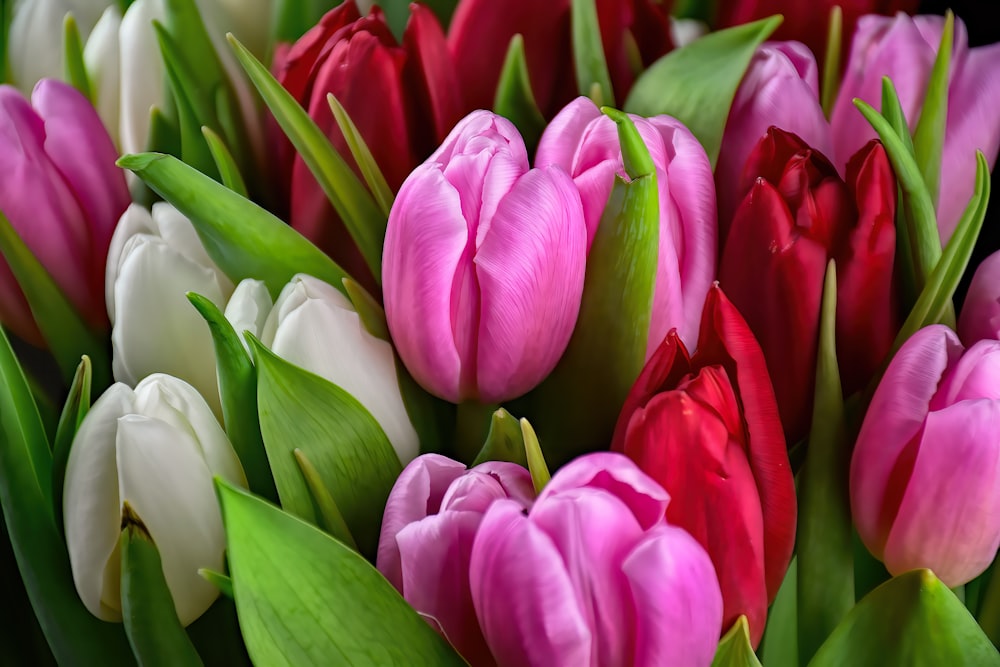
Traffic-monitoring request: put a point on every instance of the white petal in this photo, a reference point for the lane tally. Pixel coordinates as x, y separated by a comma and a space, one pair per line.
101, 58
248, 308
135, 220
32, 51
142, 73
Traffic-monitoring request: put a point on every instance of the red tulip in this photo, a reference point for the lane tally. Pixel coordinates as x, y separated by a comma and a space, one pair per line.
798, 215
706, 428
481, 31
403, 98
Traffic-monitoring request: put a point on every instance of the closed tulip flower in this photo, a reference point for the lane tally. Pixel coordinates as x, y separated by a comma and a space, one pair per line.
980, 318
62, 193
926, 465
592, 574
584, 142
155, 449
904, 49
706, 427
797, 215
316, 328
430, 522
155, 259
483, 265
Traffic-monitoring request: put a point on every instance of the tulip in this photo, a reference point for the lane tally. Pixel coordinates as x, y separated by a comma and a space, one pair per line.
584, 142
157, 449
314, 326
155, 260
904, 49
798, 215
781, 89
634, 33
925, 473
483, 265
431, 519
592, 574
402, 98
980, 318
706, 427
62, 193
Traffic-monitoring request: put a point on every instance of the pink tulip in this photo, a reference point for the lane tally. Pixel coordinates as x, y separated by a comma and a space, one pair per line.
483, 265
593, 575
980, 318
925, 474
780, 89
62, 193
904, 48
431, 519
584, 142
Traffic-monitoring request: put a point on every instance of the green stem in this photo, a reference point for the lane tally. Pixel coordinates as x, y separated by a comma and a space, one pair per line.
472, 425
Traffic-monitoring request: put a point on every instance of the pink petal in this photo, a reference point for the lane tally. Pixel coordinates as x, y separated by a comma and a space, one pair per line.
478, 131
514, 479
974, 376
677, 600
980, 318
564, 134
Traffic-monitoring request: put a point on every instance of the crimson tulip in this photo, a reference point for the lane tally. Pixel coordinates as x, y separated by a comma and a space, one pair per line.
481, 31
706, 428
403, 98
797, 216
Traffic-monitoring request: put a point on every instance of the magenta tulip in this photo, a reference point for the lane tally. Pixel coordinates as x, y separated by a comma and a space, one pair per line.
431, 519
904, 48
483, 265
980, 318
925, 474
62, 193
593, 575
584, 142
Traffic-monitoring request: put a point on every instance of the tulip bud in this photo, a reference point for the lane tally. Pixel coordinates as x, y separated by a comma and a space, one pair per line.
593, 575
584, 142
315, 327
157, 449
706, 428
483, 265
154, 261
980, 318
62, 193
925, 473
431, 519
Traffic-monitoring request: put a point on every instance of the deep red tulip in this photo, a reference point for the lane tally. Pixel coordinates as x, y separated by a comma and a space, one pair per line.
403, 99
707, 429
481, 31
797, 215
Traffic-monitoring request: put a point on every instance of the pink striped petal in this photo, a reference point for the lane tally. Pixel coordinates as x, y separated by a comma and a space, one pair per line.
975, 375
481, 130
480, 486
980, 318
563, 136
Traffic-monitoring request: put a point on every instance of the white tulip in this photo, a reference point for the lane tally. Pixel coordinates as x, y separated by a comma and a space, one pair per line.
156, 448
153, 262
315, 327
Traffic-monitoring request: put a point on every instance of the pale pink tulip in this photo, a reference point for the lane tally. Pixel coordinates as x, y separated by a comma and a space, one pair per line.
980, 318
483, 265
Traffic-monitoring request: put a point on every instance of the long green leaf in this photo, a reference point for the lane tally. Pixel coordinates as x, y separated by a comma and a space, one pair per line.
75, 409
330, 518
292, 18
696, 84
73, 68
928, 137
229, 171
780, 645
362, 156
515, 99
831, 61
504, 442
735, 649
304, 598
592, 76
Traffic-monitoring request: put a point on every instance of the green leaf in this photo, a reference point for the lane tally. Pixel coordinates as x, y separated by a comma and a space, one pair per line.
988, 611
592, 76
892, 111
514, 98
229, 171
735, 649
154, 631
362, 156
359, 212
294, 17
397, 12
304, 598
238, 390
433, 419
696, 84
911, 620
369, 310
539, 470
928, 137
780, 645
6, 9
219, 580
65, 331
75, 409
831, 62
243, 239
73, 68
353, 456
330, 518
504, 442
824, 543
74, 635
216, 633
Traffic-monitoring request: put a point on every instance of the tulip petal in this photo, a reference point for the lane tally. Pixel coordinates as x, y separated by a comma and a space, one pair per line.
248, 308
525, 601
980, 318
677, 600
142, 73
432, 74
102, 59
972, 377
480, 486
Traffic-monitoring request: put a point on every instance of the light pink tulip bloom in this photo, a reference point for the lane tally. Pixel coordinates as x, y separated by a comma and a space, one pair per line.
925, 474
61, 191
780, 89
483, 265
584, 142
430, 521
593, 575
903, 48
980, 318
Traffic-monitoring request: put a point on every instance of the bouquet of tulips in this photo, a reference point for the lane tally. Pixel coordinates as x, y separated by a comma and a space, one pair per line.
555, 333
